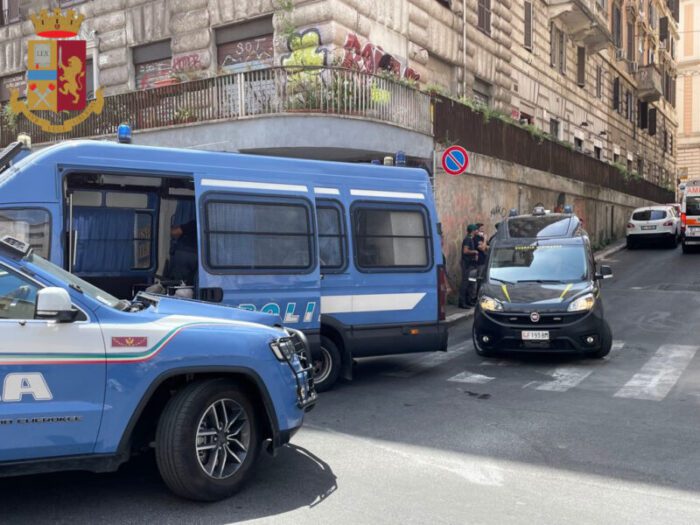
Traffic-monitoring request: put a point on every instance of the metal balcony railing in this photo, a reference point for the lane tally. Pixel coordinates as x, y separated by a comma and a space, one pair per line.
273, 91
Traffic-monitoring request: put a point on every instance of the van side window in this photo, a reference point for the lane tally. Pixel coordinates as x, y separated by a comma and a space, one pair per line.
259, 234
29, 225
391, 236
331, 236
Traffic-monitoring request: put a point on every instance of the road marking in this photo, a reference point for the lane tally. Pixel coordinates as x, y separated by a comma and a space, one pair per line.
427, 362
502, 362
468, 377
659, 375
617, 346
565, 378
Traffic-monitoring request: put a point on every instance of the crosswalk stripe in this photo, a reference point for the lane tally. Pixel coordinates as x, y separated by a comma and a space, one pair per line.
658, 375
429, 361
617, 345
565, 377
469, 377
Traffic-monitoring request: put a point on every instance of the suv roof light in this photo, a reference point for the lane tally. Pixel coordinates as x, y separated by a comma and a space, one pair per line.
539, 210
15, 246
513, 212
568, 209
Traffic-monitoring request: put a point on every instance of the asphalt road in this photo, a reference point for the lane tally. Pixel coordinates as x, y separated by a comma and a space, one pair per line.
452, 438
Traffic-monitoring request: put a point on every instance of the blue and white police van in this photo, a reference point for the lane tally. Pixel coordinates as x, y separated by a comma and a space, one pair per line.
88, 379
347, 253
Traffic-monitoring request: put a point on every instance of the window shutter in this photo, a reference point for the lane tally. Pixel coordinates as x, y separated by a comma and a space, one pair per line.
581, 69
562, 52
616, 94
663, 29
630, 40
528, 25
643, 115
652, 121
552, 45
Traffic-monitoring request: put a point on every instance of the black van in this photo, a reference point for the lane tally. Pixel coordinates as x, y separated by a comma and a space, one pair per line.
540, 291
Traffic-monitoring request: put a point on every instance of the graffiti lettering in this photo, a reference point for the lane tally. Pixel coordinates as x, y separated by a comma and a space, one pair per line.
498, 211
371, 58
187, 62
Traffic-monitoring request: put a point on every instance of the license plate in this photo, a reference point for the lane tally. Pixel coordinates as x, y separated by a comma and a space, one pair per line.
532, 335
648, 227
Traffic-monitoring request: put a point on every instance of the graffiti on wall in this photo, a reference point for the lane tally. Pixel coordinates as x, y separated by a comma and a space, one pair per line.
187, 62
372, 58
305, 49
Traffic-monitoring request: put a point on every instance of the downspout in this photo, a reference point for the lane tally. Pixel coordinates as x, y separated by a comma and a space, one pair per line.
464, 48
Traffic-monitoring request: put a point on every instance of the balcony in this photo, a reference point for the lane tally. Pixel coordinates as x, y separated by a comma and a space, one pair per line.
649, 83
251, 94
586, 22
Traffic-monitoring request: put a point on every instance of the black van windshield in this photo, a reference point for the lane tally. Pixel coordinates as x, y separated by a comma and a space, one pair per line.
692, 206
544, 263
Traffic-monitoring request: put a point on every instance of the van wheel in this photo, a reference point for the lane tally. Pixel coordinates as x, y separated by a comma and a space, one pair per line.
327, 365
207, 440
630, 244
606, 345
685, 247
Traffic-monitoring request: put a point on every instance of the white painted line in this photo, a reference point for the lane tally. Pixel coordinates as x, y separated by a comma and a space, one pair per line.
659, 375
502, 362
387, 194
565, 378
617, 346
326, 191
427, 362
468, 377
457, 316
243, 184
388, 302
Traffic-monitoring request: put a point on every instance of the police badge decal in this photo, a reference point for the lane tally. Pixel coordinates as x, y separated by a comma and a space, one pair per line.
56, 80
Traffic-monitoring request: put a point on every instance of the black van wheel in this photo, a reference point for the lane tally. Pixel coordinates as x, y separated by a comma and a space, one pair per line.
207, 440
605, 346
327, 365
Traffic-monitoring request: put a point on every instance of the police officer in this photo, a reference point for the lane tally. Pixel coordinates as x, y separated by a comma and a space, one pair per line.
183, 255
470, 255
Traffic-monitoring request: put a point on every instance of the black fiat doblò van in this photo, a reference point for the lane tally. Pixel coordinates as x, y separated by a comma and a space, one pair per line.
540, 291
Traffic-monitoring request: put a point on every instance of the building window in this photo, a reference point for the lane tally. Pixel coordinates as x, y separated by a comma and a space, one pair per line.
630, 39
554, 128
665, 141
629, 165
245, 47
643, 114
597, 152
259, 234
616, 90
389, 236
484, 16
629, 111
581, 66
640, 167
152, 64
526, 120
599, 82
8, 83
578, 144
617, 26
482, 92
528, 25
9, 12
446, 3
557, 48
652, 122
616, 158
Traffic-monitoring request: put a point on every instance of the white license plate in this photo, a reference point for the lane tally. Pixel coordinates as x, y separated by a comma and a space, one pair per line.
648, 227
533, 335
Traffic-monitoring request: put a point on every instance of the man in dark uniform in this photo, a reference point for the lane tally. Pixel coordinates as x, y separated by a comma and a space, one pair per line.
469, 259
183, 254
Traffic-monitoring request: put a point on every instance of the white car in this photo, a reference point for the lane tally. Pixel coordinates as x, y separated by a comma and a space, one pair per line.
654, 225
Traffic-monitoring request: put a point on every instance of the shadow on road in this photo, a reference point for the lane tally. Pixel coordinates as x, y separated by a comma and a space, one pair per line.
135, 494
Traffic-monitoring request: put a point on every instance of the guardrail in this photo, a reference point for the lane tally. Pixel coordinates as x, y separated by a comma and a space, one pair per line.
279, 90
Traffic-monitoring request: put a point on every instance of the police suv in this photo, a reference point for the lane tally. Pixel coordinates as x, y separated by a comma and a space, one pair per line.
541, 289
88, 379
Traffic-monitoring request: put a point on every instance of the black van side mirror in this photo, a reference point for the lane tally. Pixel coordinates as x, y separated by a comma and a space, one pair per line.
604, 273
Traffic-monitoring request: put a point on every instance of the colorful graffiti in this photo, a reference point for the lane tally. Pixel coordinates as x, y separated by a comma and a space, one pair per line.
371, 58
305, 50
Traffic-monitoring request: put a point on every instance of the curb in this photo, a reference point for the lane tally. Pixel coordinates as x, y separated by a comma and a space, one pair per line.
602, 254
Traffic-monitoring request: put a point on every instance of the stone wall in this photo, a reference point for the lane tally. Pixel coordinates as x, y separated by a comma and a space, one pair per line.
491, 187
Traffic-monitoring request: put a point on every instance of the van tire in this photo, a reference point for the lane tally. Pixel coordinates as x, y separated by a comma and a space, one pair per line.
685, 247
630, 244
327, 366
606, 344
177, 440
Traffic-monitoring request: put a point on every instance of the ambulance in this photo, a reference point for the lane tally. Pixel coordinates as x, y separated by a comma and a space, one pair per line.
690, 215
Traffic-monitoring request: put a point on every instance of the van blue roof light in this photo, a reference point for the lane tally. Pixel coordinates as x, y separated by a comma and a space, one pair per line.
124, 134
400, 158
513, 212
568, 209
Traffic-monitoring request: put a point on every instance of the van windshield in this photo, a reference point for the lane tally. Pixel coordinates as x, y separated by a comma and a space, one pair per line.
538, 263
75, 282
692, 205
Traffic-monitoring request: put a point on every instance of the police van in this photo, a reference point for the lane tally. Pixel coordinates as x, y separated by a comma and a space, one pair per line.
87, 379
347, 253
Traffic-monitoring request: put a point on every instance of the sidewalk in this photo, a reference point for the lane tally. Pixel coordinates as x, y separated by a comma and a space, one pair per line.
456, 315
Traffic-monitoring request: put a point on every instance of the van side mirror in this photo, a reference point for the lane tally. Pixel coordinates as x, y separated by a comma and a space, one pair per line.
54, 303
604, 273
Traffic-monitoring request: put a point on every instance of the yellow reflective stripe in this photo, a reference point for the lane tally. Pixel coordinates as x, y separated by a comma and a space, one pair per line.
566, 290
505, 292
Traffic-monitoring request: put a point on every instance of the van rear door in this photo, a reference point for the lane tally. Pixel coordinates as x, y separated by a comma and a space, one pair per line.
258, 249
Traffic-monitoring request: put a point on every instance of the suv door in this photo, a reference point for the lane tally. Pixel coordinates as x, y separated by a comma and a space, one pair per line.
52, 376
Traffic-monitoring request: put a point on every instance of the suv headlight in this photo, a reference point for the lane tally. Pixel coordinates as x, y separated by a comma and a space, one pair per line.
582, 304
489, 304
283, 348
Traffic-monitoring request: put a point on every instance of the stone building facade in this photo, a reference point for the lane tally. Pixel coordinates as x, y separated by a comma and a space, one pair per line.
597, 74
689, 91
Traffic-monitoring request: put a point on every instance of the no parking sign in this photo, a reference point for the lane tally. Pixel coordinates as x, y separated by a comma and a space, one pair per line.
455, 160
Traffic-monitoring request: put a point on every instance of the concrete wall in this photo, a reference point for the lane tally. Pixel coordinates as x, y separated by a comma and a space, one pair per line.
491, 187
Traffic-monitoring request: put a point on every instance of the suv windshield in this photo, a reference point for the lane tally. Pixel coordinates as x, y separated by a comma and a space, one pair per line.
75, 282
692, 205
546, 263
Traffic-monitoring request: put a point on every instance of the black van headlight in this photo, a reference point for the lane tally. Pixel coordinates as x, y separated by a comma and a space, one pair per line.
582, 304
283, 348
489, 304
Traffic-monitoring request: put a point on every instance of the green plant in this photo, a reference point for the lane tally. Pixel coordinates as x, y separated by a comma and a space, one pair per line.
284, 12
434, 89
568, 145
535, 132
184, 114
10, 118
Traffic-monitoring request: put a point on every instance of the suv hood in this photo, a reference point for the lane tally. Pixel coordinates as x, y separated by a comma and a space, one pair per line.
547, 295
164, 305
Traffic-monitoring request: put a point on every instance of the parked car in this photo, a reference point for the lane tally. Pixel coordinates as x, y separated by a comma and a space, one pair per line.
654, 225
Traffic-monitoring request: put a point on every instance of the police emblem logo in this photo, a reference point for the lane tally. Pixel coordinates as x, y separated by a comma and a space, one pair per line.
56, 76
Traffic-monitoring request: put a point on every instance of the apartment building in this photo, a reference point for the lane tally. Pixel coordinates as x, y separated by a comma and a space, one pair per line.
689, 90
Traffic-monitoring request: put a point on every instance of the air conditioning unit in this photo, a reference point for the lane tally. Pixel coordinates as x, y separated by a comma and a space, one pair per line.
634, 67
619, 54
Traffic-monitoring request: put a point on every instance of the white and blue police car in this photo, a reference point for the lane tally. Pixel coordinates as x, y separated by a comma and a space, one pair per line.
87, 379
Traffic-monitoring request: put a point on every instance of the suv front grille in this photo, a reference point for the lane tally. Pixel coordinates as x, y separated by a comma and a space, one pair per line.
523, 319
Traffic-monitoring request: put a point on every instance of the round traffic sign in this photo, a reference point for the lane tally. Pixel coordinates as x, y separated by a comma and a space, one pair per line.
455, 160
